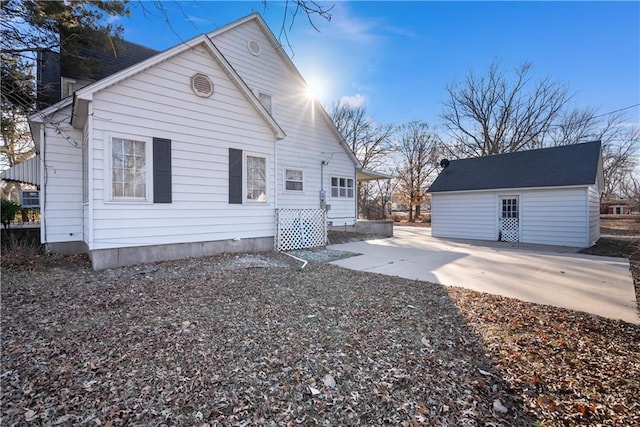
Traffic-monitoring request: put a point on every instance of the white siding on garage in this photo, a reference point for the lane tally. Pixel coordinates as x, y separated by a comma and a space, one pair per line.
546, 216
62, 180
159, 103
554, 217
309, 138
594, 215
464, 215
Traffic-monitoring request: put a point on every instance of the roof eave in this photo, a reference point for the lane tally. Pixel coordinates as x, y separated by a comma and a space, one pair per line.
513, 189
367, 175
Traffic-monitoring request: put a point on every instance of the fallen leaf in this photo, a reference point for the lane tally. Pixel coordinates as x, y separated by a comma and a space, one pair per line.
499, 407
329, 381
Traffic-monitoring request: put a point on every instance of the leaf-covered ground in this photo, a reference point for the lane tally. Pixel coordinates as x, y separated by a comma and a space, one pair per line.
254, 340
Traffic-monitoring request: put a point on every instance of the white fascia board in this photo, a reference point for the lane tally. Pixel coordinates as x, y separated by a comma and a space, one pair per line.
512, 190
39, 116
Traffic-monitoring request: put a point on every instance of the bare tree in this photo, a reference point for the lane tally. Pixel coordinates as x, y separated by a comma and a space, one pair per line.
418, 150
491, 114
619, 138
630, 189
370, 142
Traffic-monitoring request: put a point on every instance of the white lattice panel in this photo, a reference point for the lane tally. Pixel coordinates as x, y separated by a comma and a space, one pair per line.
509, 230
300, 228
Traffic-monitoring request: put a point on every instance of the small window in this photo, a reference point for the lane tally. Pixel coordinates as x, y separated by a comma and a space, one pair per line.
30, 199
293, 180
129, 169
265, 100
256, 179
342, 187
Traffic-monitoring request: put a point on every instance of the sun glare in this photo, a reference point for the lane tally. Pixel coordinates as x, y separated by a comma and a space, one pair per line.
314, 88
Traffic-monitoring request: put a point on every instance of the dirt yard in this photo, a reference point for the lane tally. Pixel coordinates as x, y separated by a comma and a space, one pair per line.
253, 340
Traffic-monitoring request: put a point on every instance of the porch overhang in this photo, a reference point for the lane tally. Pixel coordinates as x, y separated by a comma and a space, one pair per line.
367, 175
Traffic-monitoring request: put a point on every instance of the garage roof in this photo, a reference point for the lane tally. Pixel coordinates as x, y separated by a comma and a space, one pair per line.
567, 165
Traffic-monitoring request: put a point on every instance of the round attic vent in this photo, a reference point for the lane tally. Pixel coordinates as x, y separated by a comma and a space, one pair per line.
254, 47
202, 85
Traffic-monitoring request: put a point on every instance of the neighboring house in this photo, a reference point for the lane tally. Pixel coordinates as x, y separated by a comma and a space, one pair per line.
613, 205
213, 145
546, 196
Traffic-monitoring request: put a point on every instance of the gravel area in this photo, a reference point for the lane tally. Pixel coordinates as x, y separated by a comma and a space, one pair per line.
251, 339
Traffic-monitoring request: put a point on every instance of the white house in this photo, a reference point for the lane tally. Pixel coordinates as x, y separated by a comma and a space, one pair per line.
546, 196
213, 145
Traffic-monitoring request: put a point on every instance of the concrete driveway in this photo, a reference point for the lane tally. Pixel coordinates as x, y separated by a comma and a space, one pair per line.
539, 274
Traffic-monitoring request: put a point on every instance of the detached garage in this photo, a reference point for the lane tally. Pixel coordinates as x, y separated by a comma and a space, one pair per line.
547, 196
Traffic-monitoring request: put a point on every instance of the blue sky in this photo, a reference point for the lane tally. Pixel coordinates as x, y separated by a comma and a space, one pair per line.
397, 57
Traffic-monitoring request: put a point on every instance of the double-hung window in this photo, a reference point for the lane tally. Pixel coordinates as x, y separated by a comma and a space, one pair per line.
256, 179
341, 187
129, 169
293, 180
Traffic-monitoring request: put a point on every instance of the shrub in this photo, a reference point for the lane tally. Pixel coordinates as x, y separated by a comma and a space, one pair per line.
9, 210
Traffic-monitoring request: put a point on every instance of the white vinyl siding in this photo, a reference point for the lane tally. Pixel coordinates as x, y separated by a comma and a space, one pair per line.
546, 216
309, 139
554, 217
159, 103
62, 181
468, 216
594, 214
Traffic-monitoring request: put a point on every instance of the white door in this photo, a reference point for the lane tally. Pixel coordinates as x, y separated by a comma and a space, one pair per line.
509, 215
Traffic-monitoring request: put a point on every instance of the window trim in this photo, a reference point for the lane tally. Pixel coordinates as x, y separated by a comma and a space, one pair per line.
340, 187
108, 179
245, 177
284, 180
261, 92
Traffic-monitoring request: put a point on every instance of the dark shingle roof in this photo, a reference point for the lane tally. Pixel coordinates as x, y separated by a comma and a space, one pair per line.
566, 165
127, 54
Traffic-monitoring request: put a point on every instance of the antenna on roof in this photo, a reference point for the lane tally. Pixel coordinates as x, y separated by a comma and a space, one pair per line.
444, 163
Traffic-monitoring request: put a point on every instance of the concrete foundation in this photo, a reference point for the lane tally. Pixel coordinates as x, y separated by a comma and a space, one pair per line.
109, 258
382, 227
67, 248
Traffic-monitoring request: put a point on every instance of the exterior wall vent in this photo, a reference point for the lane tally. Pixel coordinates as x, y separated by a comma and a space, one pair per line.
254, 47
202, 85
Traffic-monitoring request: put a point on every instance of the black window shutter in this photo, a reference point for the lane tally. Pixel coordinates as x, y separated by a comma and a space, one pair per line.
235, 176
161, 170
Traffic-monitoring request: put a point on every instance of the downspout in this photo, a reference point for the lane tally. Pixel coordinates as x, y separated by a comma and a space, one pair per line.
356, 195
89, 238
275, 194
323, 194
43, 196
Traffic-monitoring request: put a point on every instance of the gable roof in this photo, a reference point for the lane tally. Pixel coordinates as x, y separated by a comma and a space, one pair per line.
82, 96
568, 165
255, 16
127, 54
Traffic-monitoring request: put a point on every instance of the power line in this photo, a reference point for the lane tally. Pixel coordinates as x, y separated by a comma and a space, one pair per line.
616, 111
